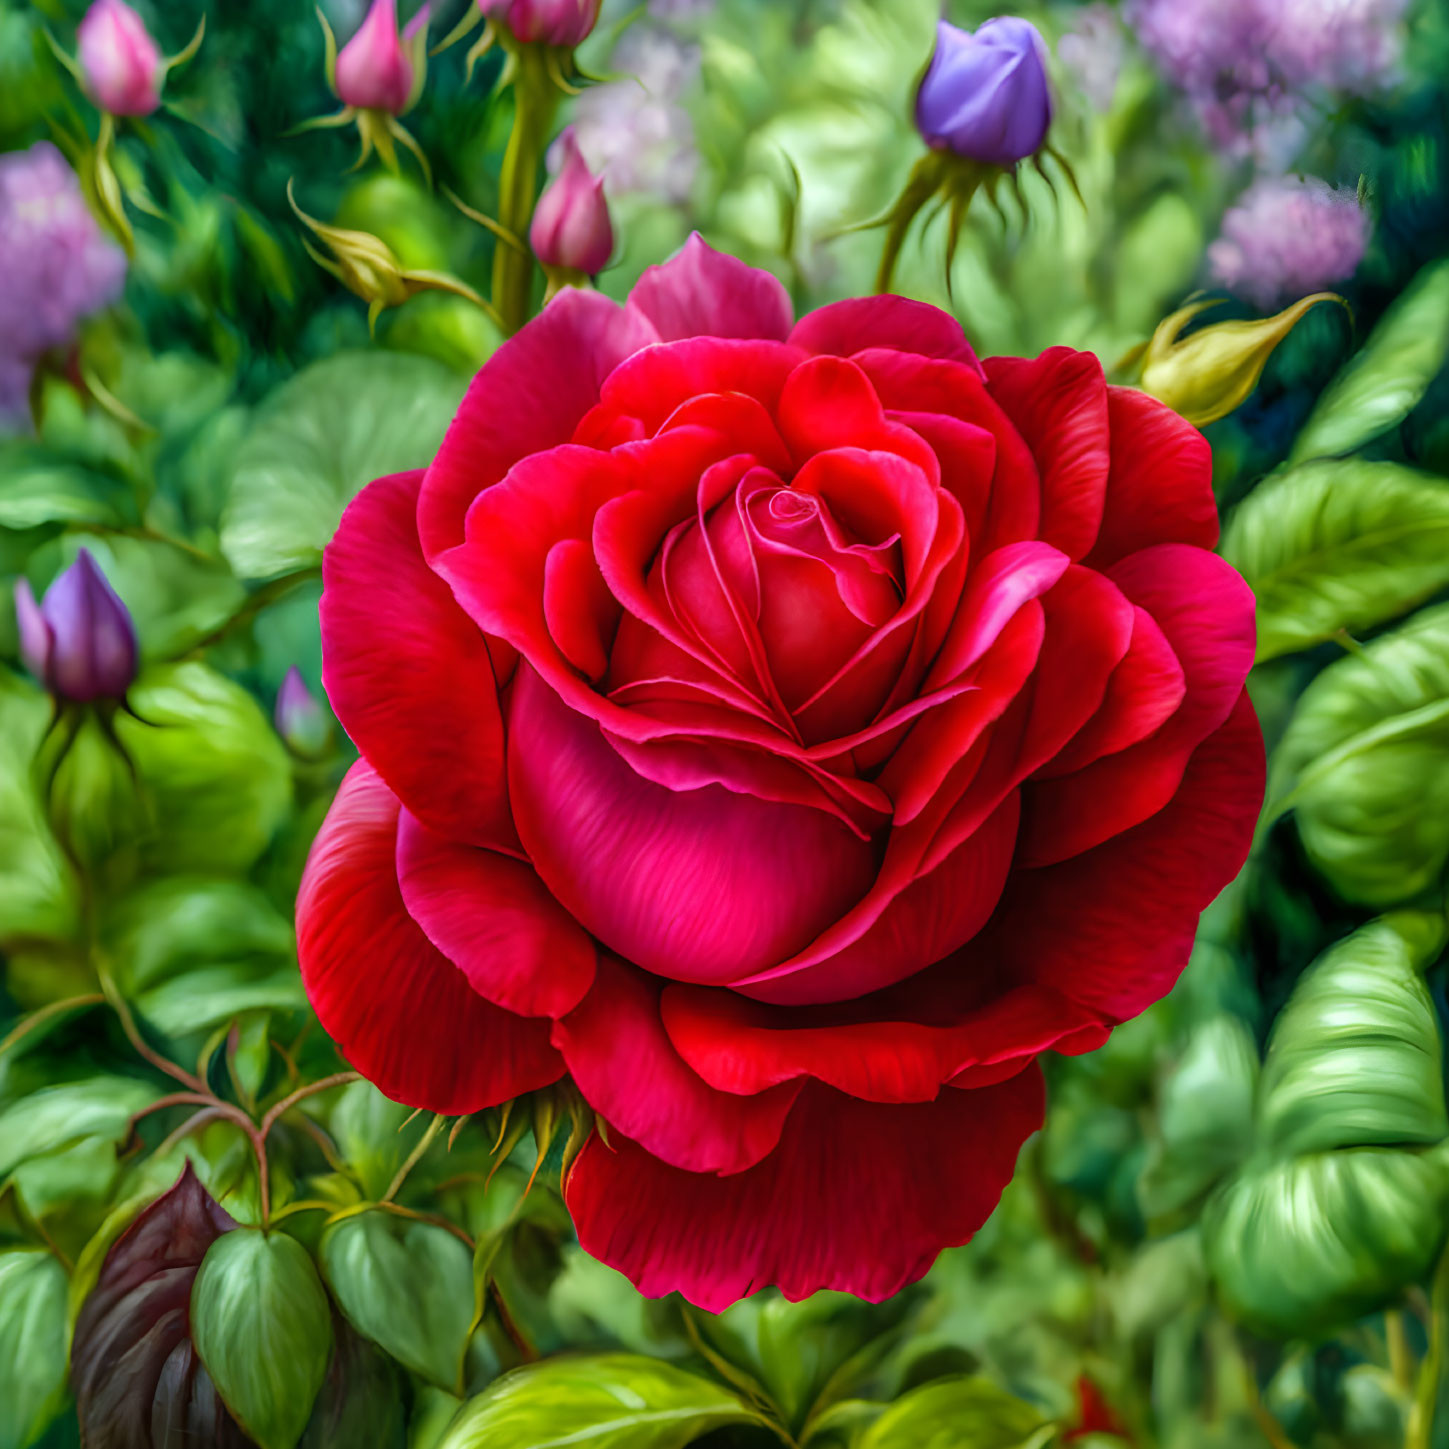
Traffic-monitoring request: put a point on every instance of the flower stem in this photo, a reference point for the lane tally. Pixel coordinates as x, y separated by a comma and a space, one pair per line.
1420, 1433
535, 100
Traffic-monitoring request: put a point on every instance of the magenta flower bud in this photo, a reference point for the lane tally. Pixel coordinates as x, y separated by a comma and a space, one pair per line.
571, 230
545, 22
985, 95
301, 721
379, 71
79, 641
121, 64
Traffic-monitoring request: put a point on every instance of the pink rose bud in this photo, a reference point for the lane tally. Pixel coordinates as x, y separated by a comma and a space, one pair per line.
79, 641
545, 22
301, 721
571, 230
376, 69
121, 64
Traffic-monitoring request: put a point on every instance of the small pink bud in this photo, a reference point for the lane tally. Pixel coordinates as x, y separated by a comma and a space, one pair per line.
571, 229
377, 70
301, 721
121, 64
545, 22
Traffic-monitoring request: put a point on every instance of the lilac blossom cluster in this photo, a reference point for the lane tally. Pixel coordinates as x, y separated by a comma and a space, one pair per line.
1288, 236
1251, 68
57, 265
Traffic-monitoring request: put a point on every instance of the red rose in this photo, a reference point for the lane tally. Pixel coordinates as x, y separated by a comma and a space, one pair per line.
788, 732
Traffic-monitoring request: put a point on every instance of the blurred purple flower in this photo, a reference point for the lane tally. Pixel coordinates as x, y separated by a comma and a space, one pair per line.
1093, 51
1246, 67
636, 132
301, 721
79, 641
375, 71
985, 95
1288, 236
571, 229
121, 63
56, 263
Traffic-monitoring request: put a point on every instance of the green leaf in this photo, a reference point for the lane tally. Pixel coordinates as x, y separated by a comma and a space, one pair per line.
319, 439
37, 487
602, 1401
1336, 545
39, 895
34, 1344
189, 953
214, 767
263, 1328
951, 1413
404, 1285
1364, 764
58, 1117
374, 1134
1383, 382
1343, 1204
1205, 1116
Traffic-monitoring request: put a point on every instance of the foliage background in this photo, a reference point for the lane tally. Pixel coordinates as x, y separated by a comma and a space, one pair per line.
1227, 1234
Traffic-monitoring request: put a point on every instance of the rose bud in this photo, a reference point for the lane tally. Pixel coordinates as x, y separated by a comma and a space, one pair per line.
379, 71
1212, 372
985, 95
120, 64
571, 230
545, 22
301, 721
79, 641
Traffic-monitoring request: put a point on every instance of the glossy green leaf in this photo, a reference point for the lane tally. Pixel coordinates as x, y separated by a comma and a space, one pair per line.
320, 438
263, 1328
1334, 545
191, 953
406, 1286
1364, 765
1204, 1115
954, 1412
362, 1399
58, 1117
39, 895
600, 1401
374, 1134
39, 486
1383, 382
1344, 1201
34, 1342
216, 772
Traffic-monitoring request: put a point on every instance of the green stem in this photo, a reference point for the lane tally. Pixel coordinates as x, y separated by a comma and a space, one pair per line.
535, 100
1421, 1417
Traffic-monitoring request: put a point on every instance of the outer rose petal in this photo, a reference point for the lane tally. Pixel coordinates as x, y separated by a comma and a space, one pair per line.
530, 395
704, 293
398, 1010
621, 1059
857, 1197
842, 328
1059, 405
493, 918
697, 885
408, 672
1160, 488
1112, 928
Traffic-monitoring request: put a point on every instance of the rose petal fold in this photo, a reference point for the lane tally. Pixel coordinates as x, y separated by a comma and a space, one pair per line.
701, 292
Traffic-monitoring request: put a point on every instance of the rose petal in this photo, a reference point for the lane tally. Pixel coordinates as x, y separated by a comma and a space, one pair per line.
621, 1059
398, 1009
408, 672
700, 292
859, 1198
495, 921
530, 395
843, 328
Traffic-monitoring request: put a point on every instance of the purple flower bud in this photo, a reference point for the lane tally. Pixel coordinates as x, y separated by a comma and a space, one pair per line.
545, 22
121, 64
571, 228
985, 96
301, 721
79, 641
377, 70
